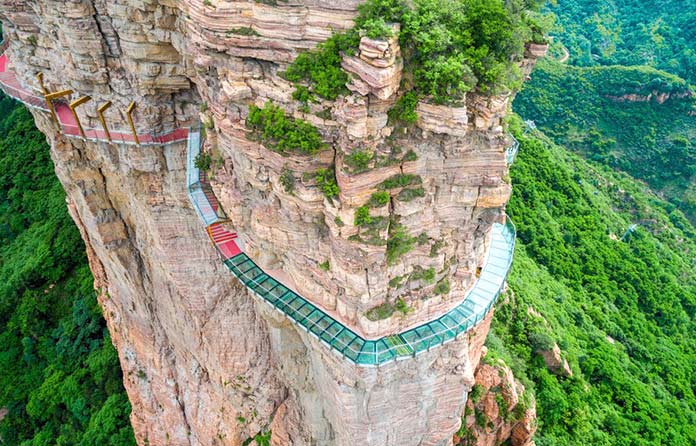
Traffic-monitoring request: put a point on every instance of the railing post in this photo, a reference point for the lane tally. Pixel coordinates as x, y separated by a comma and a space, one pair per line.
100, 111
129, 114
73, 105
49, 101
39, 77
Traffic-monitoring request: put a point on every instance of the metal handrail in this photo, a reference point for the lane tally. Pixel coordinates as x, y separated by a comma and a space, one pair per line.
344, 341
118, 136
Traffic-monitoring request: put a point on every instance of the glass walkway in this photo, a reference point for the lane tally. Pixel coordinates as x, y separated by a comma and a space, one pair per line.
511, 152
339, 338
336, 336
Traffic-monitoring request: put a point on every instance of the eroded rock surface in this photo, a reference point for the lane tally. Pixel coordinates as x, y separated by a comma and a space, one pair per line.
204, 362
498, 410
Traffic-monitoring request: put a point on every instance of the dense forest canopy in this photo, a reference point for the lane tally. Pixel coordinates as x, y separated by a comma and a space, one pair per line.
60, 379
612, 116
622, 311
658, 33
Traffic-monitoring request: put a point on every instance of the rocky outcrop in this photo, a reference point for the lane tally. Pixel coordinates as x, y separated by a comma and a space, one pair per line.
204, 362
498, 411
658, 96
555, 362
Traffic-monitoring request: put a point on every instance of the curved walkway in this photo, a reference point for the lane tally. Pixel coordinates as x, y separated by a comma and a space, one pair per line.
339, 338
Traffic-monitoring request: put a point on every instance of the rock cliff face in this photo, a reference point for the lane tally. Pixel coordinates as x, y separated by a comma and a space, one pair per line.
498, 409
204, 362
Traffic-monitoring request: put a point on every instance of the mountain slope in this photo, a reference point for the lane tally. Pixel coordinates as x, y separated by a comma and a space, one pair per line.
636, 119
621, 311
659, 33
60, 378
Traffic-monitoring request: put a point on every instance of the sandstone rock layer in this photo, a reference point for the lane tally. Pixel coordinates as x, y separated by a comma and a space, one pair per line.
204, 363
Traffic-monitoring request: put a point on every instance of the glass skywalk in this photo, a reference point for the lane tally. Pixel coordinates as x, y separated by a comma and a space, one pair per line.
341, 339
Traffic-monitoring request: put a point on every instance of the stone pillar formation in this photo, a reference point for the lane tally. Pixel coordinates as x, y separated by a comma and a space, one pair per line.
206, 363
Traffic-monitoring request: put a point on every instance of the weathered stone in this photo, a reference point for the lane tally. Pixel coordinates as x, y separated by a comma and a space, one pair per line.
198, 351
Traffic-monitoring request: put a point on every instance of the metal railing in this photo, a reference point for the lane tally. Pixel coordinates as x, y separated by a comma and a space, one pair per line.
512, 150
335, 335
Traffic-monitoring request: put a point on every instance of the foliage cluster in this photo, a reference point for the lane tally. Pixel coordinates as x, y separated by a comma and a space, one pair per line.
203, 161
282, 133
326, 181
60, 378
287, 179
359, 160
399, 242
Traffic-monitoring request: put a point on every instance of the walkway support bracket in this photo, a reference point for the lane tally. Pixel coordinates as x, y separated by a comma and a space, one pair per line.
51, 96
100, 111
39, 77
129, 114
73, 105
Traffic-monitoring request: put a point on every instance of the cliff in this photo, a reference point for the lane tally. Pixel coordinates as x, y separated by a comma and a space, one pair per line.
205, 360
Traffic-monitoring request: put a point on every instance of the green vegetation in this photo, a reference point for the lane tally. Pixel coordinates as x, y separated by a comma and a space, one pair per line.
203, 161
282, 133
387, 309
326, 181
325, 265
651, 141
359, 160
321, 68
242, 31
426, 275
411, 194
442, 287
60, 377
287, 179
362, 216
378, 199
476, 393
399, 242
400, 180
410, 156
404, 111
449, 47
625, 32
622, 312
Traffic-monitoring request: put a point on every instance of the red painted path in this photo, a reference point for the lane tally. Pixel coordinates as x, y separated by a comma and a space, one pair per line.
11, 85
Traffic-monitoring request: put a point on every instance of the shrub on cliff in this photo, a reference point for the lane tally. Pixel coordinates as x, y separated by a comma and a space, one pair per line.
284, 134
449, 46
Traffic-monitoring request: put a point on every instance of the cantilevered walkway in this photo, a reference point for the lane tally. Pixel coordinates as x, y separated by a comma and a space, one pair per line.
10, 84
337, 337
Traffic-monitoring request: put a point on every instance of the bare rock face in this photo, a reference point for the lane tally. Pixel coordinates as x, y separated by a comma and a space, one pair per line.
498, 410
204, 363
555, 362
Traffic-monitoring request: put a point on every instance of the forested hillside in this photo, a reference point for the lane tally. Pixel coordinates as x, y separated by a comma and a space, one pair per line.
636, 119
658, 33
622, 311
60, 379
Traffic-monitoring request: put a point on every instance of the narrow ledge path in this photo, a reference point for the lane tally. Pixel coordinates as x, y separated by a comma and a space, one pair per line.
339, 338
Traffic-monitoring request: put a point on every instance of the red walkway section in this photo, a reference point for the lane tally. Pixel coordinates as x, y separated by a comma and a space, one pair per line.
224, 240
11, 85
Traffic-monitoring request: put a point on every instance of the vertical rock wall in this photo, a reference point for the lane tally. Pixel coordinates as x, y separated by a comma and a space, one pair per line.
204, 363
